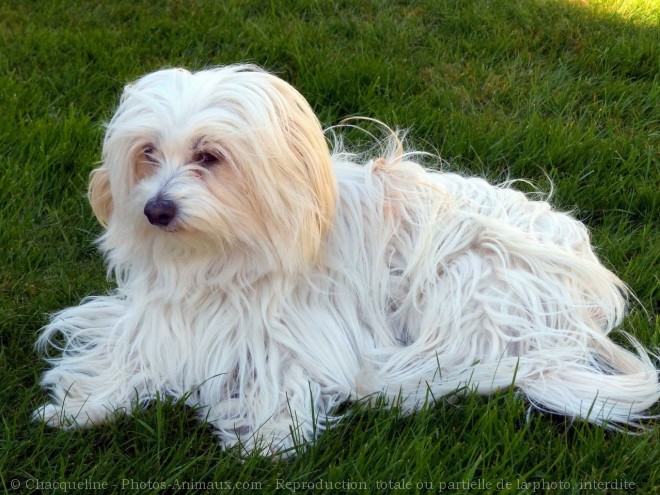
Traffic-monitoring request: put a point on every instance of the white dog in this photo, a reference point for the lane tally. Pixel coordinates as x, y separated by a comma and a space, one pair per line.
266, 280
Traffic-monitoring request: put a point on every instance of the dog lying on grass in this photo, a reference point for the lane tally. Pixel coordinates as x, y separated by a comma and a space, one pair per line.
268, 280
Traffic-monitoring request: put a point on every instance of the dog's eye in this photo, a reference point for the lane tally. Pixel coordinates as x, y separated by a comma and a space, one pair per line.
149, 153
205, 159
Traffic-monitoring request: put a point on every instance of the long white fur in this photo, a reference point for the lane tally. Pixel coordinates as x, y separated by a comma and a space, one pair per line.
294, 279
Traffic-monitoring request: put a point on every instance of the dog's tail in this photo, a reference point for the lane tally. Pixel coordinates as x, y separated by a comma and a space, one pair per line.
617, 388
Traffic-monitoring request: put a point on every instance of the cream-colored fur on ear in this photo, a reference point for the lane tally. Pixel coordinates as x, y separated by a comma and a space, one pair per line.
307, 166
99, 195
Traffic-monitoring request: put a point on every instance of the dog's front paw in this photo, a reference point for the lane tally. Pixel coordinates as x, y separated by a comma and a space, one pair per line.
65, 418
52, 415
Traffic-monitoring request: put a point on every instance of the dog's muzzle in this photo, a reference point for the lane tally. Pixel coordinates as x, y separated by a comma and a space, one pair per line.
160, 212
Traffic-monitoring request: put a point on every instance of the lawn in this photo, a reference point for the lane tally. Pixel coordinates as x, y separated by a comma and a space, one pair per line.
563, 93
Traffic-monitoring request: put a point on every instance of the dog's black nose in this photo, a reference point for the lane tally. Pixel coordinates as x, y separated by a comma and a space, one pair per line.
160, 212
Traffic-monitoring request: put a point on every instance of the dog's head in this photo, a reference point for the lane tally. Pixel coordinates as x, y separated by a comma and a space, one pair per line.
231, 158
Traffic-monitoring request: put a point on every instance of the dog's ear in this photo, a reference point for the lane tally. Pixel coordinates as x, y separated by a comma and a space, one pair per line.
308, 203
99, 195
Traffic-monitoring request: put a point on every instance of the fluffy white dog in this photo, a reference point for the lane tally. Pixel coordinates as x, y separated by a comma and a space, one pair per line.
266, 280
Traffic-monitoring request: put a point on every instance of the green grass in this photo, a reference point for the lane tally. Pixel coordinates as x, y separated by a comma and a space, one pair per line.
561, 91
